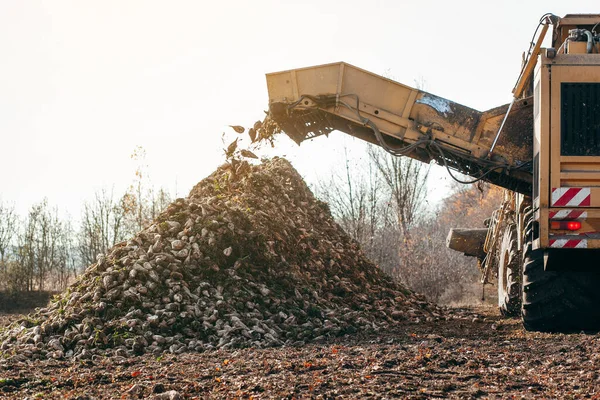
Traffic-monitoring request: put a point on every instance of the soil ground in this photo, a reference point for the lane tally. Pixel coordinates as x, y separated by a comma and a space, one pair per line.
474, 357
23, 302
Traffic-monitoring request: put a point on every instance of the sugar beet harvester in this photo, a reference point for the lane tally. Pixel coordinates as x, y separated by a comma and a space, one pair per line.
543, 244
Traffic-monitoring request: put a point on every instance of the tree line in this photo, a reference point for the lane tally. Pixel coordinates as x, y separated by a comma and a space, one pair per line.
45, 252
42, 251
381, 201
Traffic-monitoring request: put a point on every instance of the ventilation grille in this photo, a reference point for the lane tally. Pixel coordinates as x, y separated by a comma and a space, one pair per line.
580, 119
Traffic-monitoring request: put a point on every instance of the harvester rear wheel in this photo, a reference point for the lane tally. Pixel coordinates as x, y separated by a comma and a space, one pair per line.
562, 301
509, 274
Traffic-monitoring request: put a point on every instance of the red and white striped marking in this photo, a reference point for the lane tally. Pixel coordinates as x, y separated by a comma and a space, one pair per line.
571, 197
567, 214
568, 243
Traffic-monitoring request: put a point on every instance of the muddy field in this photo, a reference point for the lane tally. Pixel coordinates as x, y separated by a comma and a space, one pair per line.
248, 288
484, 357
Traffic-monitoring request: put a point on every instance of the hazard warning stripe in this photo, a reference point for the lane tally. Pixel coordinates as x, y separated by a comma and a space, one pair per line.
571, 197
567, 214
569, 243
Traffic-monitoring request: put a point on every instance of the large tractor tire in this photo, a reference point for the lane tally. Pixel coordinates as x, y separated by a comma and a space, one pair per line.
509, 274
558, 301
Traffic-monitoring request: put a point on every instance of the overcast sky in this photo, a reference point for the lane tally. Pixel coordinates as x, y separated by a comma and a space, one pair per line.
82, 83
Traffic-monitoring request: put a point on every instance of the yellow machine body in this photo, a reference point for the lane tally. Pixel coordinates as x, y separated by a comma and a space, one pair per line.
567, 148
542, 245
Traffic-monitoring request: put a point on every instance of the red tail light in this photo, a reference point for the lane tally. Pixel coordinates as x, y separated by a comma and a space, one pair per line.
566, 225
573, 225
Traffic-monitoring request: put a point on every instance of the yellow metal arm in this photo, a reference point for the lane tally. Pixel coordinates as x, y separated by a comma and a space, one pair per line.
313, 101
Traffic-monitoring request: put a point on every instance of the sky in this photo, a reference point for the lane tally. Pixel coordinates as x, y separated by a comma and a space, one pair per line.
82, 83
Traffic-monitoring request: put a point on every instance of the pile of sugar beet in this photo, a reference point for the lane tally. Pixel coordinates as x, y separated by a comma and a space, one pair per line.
250, 259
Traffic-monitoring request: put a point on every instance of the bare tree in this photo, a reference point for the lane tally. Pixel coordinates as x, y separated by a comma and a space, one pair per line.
406, 181
142, 203
26, 257
47, 232
39, 253
16, 279
8, 230
66, 259
102, 226
353, 196
381, 203
159, 200
107, 221
443, 274
134, 201
359, 201
43, 251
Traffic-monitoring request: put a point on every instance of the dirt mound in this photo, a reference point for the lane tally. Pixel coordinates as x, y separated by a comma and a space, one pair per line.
249, 258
